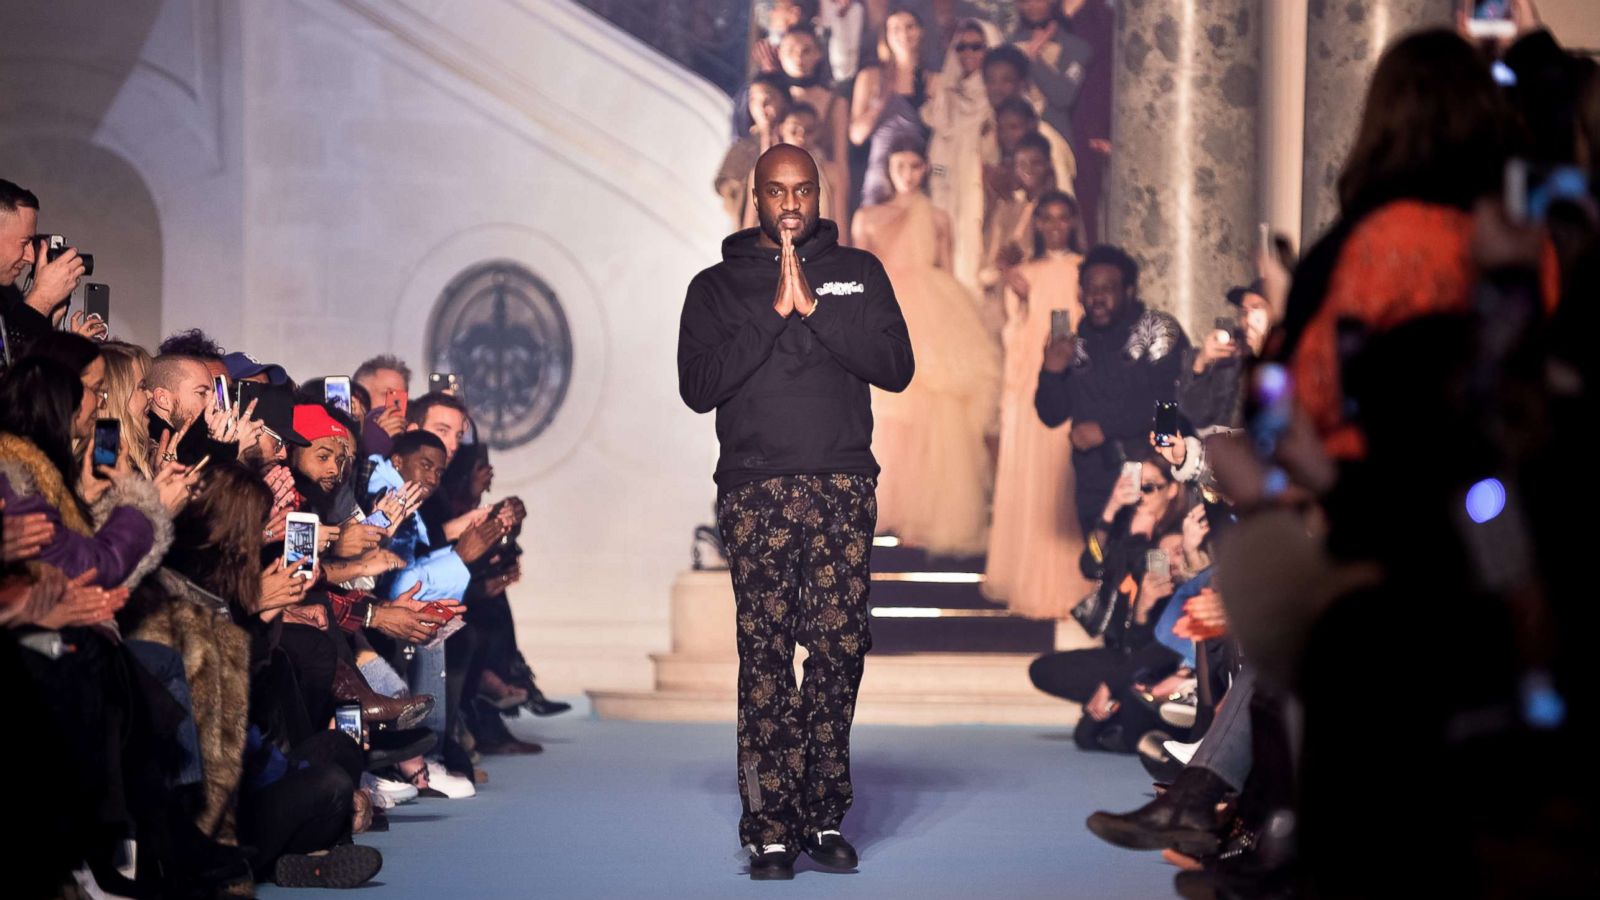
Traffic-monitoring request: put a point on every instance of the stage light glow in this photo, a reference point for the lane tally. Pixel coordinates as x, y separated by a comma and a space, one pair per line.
1485, 500
885, 540
931, 577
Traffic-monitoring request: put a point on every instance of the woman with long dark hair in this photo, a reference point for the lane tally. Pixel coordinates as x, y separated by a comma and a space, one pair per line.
1434, 138
1035, 539
111, 521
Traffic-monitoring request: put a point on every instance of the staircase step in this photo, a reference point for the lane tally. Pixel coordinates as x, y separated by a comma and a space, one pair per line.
916, 674
910, 559
880, 709
1003, 633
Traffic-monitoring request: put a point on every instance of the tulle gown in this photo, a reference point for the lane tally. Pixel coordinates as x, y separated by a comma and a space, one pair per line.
1035, 540
933, 492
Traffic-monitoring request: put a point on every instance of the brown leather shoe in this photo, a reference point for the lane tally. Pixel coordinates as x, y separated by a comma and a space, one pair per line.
376, 709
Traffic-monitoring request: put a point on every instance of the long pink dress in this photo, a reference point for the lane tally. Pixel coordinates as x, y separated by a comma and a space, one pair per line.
933, 492
1035, 540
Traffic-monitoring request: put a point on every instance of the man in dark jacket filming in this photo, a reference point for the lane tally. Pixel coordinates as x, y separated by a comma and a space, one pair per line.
1108, 378
788, 369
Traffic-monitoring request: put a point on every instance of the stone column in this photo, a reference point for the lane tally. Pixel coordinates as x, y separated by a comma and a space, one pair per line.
1184, 196
1344, 39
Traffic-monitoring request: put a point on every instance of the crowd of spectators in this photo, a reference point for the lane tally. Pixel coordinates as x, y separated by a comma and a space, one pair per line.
1338, 621
1332, 611
240, 615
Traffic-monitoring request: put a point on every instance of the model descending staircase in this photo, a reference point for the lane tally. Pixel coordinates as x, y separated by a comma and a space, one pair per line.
942, 653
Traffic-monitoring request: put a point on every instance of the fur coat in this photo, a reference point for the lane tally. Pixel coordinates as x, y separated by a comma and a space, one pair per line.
169, 609
125, 538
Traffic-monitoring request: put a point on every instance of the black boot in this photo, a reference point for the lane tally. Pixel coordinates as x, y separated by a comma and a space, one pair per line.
540, 705
829, 848
1184, 818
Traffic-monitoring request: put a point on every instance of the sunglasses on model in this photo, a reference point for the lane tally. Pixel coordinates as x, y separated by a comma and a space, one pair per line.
1150, 488
970, 48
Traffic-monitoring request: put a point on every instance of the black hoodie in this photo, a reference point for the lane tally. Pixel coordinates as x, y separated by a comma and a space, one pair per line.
791, 394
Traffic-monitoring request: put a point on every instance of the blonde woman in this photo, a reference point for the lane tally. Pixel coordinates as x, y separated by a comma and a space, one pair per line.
127, 401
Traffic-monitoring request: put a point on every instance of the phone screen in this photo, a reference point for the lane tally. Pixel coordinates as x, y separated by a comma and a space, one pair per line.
348, 718
300, 544
107, 442
398, 400
336, 392
1489, 19
1060, 324
377, 518
97, 301
219, 391
1166, 424
1156, 563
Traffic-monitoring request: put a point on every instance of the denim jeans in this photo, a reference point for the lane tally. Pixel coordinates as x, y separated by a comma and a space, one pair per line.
382, 678
427, 677
166, 664
1226, 749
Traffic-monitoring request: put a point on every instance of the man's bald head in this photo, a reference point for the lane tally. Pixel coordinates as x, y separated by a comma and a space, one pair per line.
786, 194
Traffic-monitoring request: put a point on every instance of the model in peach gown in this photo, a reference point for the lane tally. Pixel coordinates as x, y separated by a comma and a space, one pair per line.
933, 492
1035, 541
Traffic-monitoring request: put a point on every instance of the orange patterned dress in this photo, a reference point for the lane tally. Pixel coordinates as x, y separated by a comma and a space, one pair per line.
1406, 260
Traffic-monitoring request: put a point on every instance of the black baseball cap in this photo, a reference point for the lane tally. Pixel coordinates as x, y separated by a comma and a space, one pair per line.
275, 409
1236, 294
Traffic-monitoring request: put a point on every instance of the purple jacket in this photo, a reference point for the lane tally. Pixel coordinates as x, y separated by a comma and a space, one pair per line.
132, 537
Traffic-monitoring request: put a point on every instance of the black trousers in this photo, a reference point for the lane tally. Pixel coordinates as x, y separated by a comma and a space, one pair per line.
799, 548
1076, 674
307, 810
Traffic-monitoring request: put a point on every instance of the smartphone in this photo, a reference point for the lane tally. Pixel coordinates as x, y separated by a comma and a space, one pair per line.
247, 392
1270, 404
1531, 190
1166, 424
1133, 470
378, 518
445, 382
107, 442
300, 543
219, 392
1060, 324
396, 399
1489, 19
444, 632
1225, 326
1156, 563
97, 301
348, 719
336, 392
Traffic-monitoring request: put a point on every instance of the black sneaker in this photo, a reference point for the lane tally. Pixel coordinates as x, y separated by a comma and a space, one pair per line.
344, 866
774, 862
829, 848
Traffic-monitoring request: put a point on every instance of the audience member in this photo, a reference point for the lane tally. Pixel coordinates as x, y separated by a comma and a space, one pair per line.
1108, 377
933, 431
34, 313
885, 109
1036, 541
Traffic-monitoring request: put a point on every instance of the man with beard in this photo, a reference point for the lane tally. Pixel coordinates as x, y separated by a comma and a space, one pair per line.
788, 370
1109, 377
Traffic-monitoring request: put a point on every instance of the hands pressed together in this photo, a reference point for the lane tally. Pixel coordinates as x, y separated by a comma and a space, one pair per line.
794, 293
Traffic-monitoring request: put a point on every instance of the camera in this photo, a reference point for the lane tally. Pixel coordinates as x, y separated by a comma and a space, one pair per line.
57, 245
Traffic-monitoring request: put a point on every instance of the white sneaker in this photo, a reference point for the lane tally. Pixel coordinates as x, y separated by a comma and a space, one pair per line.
1180, 751
452, 786
389, 794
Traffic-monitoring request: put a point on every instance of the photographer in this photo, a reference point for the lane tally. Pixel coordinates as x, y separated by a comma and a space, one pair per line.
1209, 393
28, 317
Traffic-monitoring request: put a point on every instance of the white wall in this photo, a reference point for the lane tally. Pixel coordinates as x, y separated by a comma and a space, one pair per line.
322, 168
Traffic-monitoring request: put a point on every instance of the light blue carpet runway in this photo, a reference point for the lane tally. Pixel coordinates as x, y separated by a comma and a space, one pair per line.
641, 810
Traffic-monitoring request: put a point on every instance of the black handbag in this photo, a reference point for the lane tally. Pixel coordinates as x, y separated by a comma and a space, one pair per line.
1094, 611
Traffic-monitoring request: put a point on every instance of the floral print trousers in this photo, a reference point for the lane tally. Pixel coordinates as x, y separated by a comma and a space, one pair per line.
798, 547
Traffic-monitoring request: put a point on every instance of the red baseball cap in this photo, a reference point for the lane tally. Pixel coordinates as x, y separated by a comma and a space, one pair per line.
313, 422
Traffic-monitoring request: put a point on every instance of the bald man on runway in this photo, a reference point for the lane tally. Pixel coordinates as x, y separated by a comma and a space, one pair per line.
788, 369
